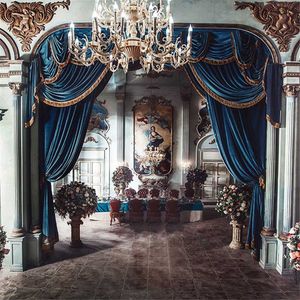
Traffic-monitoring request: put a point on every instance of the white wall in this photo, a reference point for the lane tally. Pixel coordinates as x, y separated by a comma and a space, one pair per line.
7, 179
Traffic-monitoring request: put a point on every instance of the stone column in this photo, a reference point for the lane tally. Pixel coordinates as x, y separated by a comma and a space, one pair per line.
289, 180
291, 84
17, 89
17, 236
268, 250
120, 96
185, 150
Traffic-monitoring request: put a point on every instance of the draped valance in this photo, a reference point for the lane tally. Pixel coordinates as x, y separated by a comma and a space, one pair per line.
216, 54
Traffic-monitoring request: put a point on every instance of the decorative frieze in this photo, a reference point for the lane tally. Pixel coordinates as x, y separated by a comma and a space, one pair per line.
27, 19
280, 19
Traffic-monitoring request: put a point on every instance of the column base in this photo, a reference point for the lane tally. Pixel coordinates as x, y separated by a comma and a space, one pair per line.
17, 232
283, 265
17, 254
268, 252
34, 249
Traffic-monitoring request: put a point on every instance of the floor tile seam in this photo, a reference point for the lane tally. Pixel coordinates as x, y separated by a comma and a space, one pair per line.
125, 276
98, 285
149, 242
191, 270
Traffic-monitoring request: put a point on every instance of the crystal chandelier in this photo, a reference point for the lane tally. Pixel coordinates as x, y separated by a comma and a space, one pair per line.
154, 155
132, 31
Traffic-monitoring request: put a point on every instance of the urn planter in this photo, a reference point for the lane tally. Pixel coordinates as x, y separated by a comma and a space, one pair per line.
75, 231
237, 235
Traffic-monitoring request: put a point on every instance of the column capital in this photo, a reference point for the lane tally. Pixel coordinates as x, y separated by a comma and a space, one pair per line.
291, 89
16, 87
120, 93
185, 93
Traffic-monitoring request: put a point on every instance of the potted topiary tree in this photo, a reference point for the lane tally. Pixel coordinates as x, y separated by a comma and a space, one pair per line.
234, 201
76, 200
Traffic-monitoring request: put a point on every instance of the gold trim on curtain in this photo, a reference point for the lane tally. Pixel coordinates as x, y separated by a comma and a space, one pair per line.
274, 124
79, 98
223, 100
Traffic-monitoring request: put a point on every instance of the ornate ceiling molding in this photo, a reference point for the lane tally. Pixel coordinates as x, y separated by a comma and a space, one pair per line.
27, 19
280, 19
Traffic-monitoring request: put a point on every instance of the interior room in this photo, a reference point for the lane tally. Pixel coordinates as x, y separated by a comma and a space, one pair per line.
149, 150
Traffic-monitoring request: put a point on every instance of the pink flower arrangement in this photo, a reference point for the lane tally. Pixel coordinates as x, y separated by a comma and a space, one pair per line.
75, 199
122, 175
130, 193
234, 201
294, 246
3, 251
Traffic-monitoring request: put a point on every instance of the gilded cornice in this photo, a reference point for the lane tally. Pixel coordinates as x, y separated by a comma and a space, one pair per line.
27, 19
280, 19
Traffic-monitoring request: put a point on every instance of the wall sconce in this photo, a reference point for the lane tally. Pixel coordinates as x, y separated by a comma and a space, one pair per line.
186, 165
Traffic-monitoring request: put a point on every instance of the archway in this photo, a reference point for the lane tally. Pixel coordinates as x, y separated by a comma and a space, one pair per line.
267, 44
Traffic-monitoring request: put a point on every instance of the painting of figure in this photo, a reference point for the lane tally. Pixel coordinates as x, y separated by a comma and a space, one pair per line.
153, 117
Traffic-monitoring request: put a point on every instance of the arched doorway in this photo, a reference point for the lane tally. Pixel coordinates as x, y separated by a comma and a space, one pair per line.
209, 159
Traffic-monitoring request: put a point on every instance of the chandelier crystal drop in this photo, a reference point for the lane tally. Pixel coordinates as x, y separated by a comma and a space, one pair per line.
129, 31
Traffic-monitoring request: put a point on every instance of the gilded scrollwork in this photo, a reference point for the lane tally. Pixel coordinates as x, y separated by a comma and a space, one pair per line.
27, 19
281, 20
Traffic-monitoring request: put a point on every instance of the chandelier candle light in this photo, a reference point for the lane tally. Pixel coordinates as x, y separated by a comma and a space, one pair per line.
131, 31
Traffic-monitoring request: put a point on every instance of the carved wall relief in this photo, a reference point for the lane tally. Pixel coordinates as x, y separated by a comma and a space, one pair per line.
2, 113
281, 19
26, 20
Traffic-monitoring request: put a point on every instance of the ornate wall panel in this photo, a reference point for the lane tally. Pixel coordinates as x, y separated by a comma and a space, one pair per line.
153, 119
280, 19
27, 19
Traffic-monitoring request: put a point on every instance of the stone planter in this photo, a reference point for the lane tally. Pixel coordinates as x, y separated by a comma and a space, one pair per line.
237, 235
75, 231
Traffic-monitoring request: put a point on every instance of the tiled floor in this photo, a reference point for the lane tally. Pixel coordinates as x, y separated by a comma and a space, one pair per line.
190, 261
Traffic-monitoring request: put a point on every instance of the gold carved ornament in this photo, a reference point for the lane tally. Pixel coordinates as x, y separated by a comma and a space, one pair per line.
26, 20
281, 20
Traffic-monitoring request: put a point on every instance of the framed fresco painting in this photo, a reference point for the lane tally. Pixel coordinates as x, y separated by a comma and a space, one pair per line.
153, 130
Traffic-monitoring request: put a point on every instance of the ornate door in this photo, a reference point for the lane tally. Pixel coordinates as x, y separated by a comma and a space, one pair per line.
209, 158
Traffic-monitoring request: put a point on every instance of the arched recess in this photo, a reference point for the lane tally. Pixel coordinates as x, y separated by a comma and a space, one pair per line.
296, 52
8, 47
208, 157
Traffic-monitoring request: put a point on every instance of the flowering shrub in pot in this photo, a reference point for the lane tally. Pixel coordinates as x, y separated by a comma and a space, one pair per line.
234, 201
3, 250
122, 176
196, 177
76, 200
294, 246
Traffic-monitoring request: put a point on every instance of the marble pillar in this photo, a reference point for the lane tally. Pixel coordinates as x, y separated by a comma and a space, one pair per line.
185, 151
120, 97
17, 236
268, 248
290, 179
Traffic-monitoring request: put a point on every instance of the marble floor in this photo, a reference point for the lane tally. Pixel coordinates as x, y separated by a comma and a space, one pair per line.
190, 261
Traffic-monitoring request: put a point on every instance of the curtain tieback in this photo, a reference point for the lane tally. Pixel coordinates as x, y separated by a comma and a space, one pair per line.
262, 182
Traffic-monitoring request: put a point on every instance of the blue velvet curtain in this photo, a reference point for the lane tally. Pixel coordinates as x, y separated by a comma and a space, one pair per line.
231, 77
66, 92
